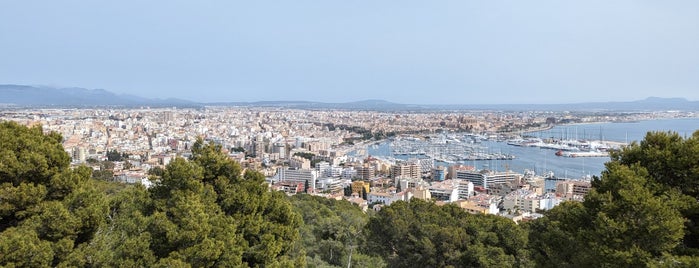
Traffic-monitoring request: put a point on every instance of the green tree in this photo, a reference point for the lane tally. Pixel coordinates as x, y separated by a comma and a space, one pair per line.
114, 155
332, 230
156, 171
46, 208
264, 219
422, 234
620, 223
672, 163
106, 175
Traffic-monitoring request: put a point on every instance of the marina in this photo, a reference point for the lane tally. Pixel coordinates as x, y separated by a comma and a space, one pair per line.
498, 153
447, 149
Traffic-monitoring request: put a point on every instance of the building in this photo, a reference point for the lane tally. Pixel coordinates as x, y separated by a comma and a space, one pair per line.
420, 192
476, 208
573, 189
349, 173
330, 185
322, 168
386, 198
358, 186
289, 187
451, 172
280, 150
438, 174
447, 191
466, 189
528, 201
133, 177
409, 182
365, 172
299, 162
425, 164
488, 201
411, 170
297, 175
487, 178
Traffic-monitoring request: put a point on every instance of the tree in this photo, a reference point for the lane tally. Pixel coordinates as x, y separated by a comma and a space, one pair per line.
106, 175
332, 231
265, 220
156, 171
114, 155
672, 163
639, 213
306, 185
421, 234
202, 213
46, 208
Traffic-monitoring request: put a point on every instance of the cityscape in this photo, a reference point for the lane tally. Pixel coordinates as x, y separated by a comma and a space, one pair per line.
432, 154
332, 134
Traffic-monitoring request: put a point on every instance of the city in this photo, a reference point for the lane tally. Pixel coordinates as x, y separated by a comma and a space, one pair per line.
325, 152
332, 134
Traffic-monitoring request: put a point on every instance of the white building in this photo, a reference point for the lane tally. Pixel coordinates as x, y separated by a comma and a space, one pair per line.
487, 178
385, 198
447, 191
297, 175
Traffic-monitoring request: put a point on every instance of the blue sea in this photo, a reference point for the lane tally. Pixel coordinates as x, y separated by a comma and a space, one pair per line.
544, 160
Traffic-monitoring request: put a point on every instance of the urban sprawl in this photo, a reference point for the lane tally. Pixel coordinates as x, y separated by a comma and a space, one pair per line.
325, 152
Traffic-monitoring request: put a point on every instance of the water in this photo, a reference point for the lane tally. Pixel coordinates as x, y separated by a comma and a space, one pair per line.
545, 160
621, 132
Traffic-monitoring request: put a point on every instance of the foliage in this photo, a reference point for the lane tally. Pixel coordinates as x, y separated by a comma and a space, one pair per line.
156, 171
114, 155
203, 213
46, 208
305, 155
672, 163
331, 231
422, 234
641, 212
237, 149
103, 174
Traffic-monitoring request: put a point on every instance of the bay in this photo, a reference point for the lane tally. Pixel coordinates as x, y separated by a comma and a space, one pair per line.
544, 161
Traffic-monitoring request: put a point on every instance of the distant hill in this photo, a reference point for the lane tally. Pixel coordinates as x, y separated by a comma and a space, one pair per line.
648, 104
372, 105
20, 95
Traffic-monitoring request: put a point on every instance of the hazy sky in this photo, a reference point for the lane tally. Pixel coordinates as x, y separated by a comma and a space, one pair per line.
426, 52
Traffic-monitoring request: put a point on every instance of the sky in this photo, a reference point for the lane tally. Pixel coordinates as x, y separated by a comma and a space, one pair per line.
419, 52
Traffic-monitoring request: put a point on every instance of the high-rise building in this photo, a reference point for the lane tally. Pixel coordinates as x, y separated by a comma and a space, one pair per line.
365, 172
411, 170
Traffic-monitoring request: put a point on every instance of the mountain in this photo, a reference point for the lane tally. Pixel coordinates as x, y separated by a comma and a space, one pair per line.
21, 95
371, 105
648, 104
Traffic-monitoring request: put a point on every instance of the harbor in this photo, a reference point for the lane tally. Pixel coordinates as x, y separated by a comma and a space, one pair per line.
448, 149
541, 152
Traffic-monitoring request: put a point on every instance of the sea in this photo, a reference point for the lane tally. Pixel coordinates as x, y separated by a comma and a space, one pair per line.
544, 161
